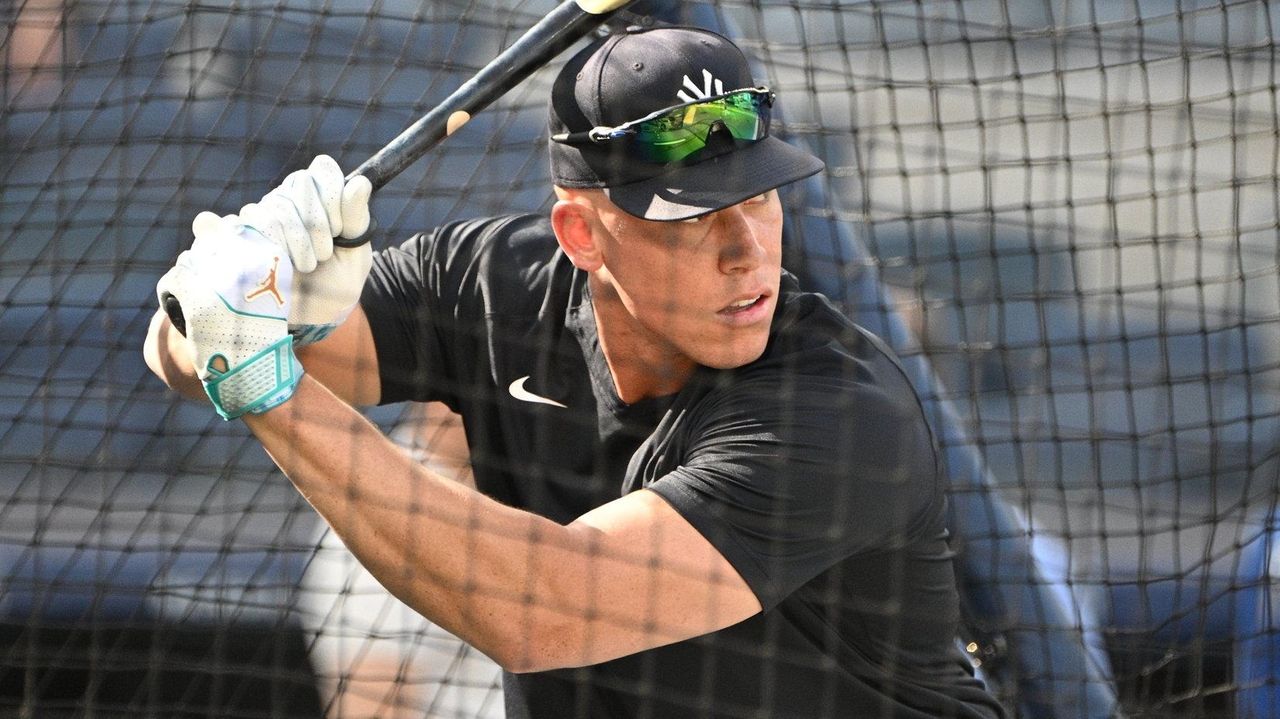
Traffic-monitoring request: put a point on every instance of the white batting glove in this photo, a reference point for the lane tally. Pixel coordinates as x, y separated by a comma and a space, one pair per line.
303, 216
234, 288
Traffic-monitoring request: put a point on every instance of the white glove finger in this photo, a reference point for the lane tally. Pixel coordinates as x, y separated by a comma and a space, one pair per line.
299, 236
301, 189
205, 223
260, 218
209, 223
327, 176
277, 218
360, 260
355, 207
168, 283
345, 275
177, 283
326, 297
173, 278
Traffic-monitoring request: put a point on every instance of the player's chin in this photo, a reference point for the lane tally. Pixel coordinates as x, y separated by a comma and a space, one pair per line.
736, 349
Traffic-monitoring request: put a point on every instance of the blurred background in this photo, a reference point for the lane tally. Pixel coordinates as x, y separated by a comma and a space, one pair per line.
1062, 213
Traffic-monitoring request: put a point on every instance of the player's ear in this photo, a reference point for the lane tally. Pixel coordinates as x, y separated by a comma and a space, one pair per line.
573, 218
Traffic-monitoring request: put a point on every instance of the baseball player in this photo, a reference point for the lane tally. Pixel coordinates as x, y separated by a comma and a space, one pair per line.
701, 491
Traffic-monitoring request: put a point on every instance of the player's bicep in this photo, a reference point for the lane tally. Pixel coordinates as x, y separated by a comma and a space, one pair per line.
651, 579
787, 490
346, 361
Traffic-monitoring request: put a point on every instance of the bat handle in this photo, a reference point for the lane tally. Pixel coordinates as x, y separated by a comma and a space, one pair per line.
362, 239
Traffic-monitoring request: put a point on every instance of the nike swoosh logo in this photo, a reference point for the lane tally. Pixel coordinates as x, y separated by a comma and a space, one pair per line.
518, 391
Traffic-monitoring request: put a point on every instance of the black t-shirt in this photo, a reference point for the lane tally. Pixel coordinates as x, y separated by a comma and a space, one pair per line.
811, 470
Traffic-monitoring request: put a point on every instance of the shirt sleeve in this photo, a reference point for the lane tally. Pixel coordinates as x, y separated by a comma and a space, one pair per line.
786, 480
412, 309
430, 302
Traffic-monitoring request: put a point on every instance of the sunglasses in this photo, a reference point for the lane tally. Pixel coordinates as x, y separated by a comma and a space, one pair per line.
675, 133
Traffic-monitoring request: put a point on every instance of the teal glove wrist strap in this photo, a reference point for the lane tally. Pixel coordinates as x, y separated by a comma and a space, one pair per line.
263, 381
308, 334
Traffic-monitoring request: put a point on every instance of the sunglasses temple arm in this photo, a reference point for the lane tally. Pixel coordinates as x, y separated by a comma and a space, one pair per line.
573, 138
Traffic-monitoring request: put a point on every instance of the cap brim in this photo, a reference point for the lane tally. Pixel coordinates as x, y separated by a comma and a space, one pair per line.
690, 191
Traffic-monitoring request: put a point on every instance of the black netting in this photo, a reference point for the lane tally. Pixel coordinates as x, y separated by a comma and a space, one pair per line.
1062, 214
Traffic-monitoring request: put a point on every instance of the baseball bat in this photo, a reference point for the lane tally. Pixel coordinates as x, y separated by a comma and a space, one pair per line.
567, 23
563, 26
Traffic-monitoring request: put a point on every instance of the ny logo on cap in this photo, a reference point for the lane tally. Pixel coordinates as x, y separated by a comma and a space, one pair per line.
710, 87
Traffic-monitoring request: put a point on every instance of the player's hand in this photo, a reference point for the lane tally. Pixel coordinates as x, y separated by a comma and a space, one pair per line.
234, 288
303, 216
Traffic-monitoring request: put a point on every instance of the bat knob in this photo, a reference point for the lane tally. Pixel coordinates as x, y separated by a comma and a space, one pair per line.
174, 309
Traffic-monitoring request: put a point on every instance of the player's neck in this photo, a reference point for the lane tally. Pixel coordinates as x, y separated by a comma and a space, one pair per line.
642, 365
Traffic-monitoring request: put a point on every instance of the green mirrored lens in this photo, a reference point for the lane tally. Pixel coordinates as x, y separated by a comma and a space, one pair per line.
683, 131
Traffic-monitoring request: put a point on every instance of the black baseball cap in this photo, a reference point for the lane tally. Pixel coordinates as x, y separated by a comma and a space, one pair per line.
631, 74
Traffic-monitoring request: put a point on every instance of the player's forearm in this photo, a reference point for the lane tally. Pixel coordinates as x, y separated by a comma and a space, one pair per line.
167, 354
484, 571
346, 361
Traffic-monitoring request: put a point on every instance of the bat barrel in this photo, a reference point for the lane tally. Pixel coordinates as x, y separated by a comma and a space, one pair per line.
564, 25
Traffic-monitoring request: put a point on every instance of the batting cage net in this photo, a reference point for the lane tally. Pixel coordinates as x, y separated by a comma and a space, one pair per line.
1061, 214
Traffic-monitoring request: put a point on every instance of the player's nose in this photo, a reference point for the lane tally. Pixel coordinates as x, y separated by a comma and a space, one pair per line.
742, 242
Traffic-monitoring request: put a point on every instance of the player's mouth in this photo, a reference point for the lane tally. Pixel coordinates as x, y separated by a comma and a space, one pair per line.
747, 309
